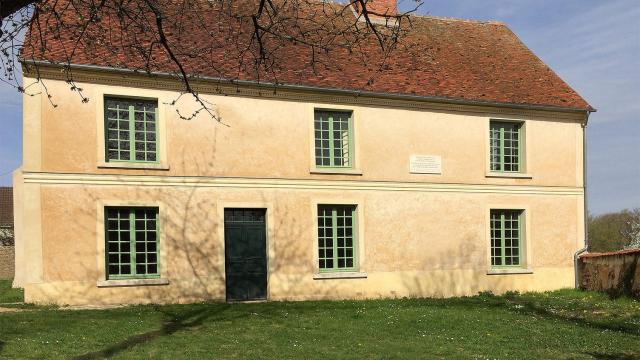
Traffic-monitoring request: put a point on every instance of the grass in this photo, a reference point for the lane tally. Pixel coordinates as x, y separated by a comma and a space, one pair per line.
564, 324
8, 294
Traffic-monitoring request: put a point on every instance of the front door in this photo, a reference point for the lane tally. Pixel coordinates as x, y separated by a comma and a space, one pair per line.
245, 245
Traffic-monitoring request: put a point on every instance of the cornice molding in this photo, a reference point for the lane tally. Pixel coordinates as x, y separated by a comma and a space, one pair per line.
168, 82
51, 178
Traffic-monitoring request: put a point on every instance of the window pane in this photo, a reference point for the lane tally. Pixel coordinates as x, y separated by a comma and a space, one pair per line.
127, 119
152, 268
113, 269
336, 241
332, 138
504, 146
506, 238
131, 242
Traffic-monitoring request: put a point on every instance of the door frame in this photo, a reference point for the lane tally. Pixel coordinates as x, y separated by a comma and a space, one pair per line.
269, 233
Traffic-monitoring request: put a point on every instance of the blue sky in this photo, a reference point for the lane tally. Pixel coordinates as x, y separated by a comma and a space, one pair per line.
593, 45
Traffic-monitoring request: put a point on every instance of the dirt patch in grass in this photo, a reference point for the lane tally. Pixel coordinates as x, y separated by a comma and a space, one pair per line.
11, 309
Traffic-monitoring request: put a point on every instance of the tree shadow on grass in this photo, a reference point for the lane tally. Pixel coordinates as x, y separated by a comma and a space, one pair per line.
612, 356
525, 306
174, 322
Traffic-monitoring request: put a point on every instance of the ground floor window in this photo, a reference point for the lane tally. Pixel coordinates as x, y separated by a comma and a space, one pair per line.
337, 238
132, 249
507, 237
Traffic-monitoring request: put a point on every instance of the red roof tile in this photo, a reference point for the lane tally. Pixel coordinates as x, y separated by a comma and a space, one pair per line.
437, 57
612, 253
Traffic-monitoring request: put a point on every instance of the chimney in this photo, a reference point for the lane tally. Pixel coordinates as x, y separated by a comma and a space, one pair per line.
380, 7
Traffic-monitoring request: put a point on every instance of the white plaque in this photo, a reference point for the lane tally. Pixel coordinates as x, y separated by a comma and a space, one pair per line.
425, 164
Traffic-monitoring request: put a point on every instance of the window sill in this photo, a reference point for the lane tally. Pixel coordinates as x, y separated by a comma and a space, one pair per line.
340, 275
132, 282
508, 175
509, 271
336, 171
132, 165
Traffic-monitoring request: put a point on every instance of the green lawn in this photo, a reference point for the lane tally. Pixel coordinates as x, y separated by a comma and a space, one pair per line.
9, 295
559, 325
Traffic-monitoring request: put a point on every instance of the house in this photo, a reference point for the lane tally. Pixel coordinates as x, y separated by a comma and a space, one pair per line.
7, 255
457, 168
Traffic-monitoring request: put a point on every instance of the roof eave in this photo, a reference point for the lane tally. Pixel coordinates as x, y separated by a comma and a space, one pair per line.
397, 96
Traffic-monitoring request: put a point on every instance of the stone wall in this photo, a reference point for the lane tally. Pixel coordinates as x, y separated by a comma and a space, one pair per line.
617, 273
7, 264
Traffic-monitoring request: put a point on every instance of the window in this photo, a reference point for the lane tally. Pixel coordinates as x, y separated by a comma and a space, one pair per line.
333, 139
337, 239
506, 143
507, 227
131, 130
132, 243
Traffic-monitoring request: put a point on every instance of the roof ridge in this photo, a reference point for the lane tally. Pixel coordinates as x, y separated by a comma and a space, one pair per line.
427, 16
452, 19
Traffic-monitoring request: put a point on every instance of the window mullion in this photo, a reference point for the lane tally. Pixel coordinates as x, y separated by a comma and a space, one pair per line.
350, 140
334, 233
157, 243
156, 124
132, 134
354, 237
502, 239
520, 237
132, 241
332, 161
144, 126
501, 148
107, 128
520, 147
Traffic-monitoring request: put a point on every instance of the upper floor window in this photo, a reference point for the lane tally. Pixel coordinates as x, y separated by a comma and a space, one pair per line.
131, 130
333, 139
506, 146
337, 239
507, 227
132, 242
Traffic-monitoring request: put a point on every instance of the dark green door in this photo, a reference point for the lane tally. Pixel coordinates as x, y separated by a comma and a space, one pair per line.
245, 244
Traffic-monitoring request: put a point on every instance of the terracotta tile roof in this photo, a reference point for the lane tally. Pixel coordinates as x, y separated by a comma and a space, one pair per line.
6, 206
436, 57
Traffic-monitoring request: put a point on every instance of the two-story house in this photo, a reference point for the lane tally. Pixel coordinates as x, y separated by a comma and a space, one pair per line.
457, 171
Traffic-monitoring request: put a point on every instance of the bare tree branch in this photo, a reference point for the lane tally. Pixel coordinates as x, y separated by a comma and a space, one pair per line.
243, 39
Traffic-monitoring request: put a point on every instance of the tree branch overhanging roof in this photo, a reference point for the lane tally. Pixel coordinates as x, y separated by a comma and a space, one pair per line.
310, 43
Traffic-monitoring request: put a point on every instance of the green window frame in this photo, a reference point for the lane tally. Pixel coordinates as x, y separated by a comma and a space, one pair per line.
337, 238
333, 139
132, 246
507, 238
131, 130
506, 139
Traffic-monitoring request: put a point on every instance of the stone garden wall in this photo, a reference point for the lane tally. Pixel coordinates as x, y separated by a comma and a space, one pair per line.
617, 273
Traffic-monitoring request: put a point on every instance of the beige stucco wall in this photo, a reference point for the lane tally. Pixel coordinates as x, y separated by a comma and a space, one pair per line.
421, 235
413, 244
273, 138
